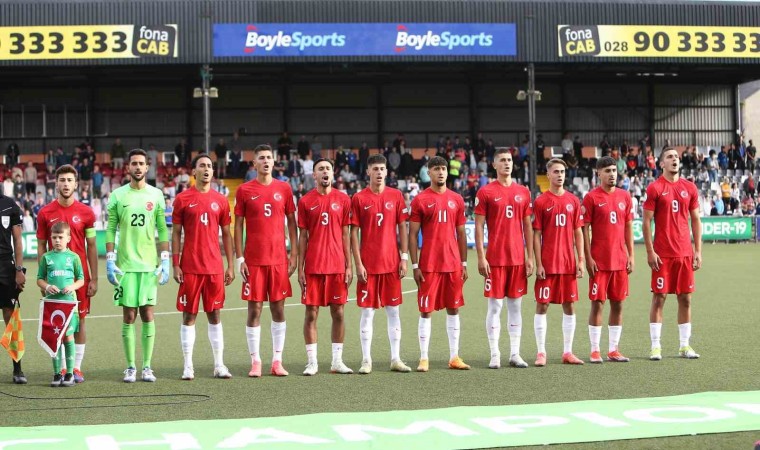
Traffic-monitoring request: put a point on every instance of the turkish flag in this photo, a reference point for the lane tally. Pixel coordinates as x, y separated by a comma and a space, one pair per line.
55, 316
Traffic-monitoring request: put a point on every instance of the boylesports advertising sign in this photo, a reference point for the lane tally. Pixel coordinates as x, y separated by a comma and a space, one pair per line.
262, 40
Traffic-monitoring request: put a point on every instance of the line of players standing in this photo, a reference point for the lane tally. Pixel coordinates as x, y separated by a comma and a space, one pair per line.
564, 238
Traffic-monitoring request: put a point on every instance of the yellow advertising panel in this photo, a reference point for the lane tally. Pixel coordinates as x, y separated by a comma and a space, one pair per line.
654, 41
88, 42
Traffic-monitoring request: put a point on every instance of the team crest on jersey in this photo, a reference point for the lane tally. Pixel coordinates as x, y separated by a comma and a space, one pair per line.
149, 206
68, 261
621, 205
214, 206
335, 206
684, 194
76, 219
6, 220
388, 205
518, 198
277, 196
452, 205
569, 208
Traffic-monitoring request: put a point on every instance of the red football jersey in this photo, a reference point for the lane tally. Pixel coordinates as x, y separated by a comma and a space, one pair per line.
324, 217
265, 209
377, 215
200, 216
79, 216
439, 216
672, 203
504, 209
607, 214
557, 217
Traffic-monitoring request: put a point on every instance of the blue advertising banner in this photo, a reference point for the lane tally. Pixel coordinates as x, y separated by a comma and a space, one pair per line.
364, 39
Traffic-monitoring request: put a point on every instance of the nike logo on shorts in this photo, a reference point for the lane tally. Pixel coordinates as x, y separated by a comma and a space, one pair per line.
336, 297
520, 290
394, 299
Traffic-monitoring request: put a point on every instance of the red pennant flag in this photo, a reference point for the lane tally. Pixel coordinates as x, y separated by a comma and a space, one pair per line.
55, 316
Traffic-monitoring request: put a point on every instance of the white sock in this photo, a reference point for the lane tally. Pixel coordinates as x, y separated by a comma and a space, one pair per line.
187, 340
684, 333
337, 352
452, 329
79, 356
278, 340
365, 332
595, 336
514, 324
423, 332
253, 336
539, 326
615, 332
216, 337
655, 331
394, 331
311, 353
493, 324
568, 331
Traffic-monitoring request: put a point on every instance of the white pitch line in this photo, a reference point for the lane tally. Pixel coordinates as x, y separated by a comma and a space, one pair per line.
166, 313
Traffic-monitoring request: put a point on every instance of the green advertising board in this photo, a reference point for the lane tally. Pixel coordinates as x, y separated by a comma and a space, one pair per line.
713, 229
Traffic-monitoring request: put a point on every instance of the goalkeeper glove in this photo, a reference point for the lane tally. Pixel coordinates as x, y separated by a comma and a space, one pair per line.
111, 269
163, 270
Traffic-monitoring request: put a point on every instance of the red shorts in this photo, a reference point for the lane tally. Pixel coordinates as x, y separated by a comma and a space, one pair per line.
440, 290
325, 289
84, 300
210, 286
506, 281
557, 288
267, 283
676, 276
608, 284
379, 291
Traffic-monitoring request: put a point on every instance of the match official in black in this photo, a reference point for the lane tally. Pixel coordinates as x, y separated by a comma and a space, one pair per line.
12, 271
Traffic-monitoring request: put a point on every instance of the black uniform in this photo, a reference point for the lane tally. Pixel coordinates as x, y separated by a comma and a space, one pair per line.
10, 216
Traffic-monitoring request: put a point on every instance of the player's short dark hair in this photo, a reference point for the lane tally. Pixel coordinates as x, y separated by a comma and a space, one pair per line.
376, 159
60, 227
262, 148
66, 168
437, 161
605, 161
198, 157
137, 152
500, 151
554, 161
667, 149
332, 165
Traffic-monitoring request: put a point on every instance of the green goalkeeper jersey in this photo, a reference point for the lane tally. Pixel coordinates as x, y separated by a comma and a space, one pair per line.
137, 214
60, 269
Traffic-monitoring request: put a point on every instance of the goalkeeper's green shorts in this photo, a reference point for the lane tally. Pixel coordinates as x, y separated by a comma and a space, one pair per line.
136, 289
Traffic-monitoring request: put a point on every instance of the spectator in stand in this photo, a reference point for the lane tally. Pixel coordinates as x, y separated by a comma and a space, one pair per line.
523, 175
280, 175
303, 148
455, 167
578, 148
85, 197
97, 209
702, 176
346, 173
341, 158
736, 196
749, 186
308, 172
424, 177
85, 175
719, 208
751, 155
61, 158
457, 144
222, 188
412, 187
725, 190
27, 223
604, 146
631, 162
482, 167
363, 157
50, 160
236, 155
571, 159
734, 158
221, 159
117, 154
97, 181
490, 150
701, 161
540, 147
386, 149
181, 152
182, 180
316, 148
394, 160
448, 147
18, 186
11, 154
460, 154
522, 152
712, 166
38, 204
397, 141
284, 144
353, 161
408, 166
688, 160
619, 161
748, 206
566, 144
723, 158
479, 146
294, 173
30, 178
644, 143
251, 173
483, 179
440, 145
